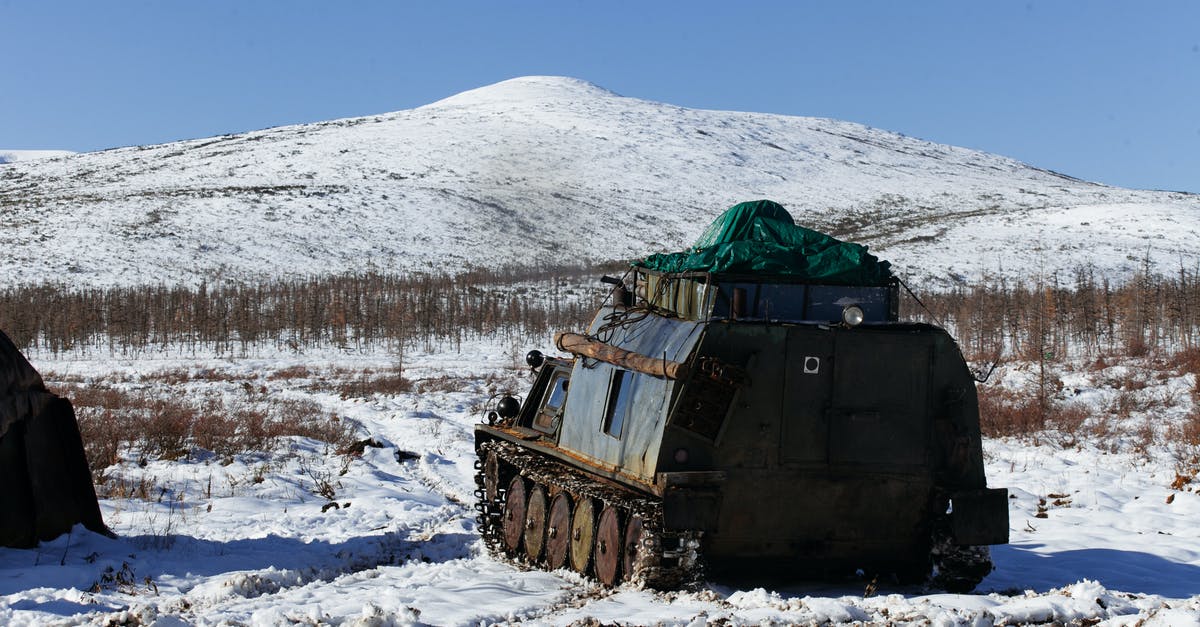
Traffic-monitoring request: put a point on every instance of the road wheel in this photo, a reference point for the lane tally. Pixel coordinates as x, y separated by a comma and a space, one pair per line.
609, 546
535, 523
631, 547
514, 514
583, 534
558, 531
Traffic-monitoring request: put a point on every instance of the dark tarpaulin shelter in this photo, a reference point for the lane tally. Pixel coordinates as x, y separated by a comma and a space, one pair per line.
45, 485
760, 237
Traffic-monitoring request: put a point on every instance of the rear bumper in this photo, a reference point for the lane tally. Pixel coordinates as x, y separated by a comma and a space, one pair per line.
979, 517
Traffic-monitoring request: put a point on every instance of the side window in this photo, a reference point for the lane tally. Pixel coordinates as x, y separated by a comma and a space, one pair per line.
618, 403
548, 416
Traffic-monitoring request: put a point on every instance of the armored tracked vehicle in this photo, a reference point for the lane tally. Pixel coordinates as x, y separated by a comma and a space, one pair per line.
750, 405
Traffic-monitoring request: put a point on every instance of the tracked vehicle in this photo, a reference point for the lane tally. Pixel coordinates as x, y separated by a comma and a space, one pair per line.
752, 405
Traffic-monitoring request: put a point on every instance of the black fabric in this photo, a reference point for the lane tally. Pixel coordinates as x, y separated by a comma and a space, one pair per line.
16, 500
59, 478
45, 485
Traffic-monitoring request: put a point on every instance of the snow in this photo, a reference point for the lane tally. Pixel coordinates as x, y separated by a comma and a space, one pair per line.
556, 170
12, 156
401, 548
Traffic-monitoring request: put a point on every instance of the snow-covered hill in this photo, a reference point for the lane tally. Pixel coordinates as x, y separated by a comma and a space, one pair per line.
548, 168
13, 156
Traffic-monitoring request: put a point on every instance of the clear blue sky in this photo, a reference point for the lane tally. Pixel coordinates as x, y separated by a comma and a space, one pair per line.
1105, 91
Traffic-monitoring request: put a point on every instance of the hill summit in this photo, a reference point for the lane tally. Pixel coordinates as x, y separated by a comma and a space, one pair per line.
549, 169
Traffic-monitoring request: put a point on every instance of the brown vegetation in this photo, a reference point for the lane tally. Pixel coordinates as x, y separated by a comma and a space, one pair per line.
353, 311
1048, 322
1083, 317
119, 424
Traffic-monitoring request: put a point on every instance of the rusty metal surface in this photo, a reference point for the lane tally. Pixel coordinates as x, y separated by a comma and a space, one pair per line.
608, 546
558, 531
631, 545
514, 514
535, 522
585, 346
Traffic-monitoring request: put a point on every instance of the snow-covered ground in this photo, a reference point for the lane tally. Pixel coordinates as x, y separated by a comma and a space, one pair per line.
553, 169
247, 541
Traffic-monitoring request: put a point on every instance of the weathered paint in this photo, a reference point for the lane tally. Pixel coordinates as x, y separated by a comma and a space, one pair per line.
635, 450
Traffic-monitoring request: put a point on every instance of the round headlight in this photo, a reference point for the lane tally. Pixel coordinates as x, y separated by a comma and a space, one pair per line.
681, 456
852, 315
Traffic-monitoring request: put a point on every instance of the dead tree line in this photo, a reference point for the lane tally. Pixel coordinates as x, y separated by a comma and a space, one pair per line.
1079, 314
1076, 315
348, 310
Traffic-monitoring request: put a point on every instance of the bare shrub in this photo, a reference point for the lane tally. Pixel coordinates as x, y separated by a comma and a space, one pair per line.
306, 419
114, 423
253, 428
1006, 413
290, 373
103, 435
367, 383
170, 376
1186, 361
1144, 438
215, 430
1134, 379
1125, 403
1188, 432
166, 428
441, 383
1070, 420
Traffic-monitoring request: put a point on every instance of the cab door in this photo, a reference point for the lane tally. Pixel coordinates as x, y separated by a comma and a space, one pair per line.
879, 415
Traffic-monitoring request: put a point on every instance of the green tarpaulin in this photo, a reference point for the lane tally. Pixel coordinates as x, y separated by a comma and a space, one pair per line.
760, 237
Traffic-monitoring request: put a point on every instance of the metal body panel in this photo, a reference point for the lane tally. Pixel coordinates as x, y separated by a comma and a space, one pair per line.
634, 448
833, 428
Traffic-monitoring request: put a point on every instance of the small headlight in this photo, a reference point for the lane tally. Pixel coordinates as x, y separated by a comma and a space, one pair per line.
681, 456
852, 315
